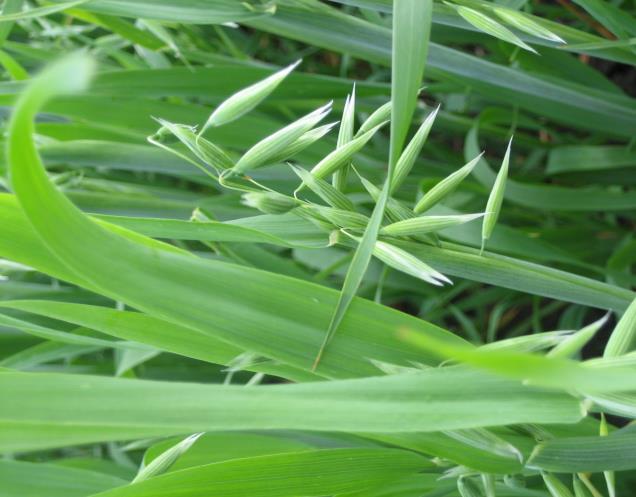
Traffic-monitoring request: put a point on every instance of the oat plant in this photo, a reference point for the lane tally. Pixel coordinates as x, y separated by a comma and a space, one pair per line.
348, 248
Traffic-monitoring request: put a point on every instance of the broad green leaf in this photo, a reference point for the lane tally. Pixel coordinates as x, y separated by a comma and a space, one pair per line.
212, 12
312, 473
141, 328
175, 287
582, 454
223, 446
610, 16
53, 410
446, 15
410, 486
548, 372
23, 244
224, 78
493, 269
580, 107
117, 156
233, 302
21, 479
411, 32
579, 158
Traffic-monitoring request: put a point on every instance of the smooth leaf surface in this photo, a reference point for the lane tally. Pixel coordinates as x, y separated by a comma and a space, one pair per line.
313, 473
83, 409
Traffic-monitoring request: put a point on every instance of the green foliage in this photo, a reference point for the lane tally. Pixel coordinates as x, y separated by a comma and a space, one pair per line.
205, 289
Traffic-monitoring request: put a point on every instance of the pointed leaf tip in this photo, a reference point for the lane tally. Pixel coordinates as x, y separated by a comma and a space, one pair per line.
248, 98
488, 25
495, 200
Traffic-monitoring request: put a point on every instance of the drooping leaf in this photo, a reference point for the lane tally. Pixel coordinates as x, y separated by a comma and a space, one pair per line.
165, 283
